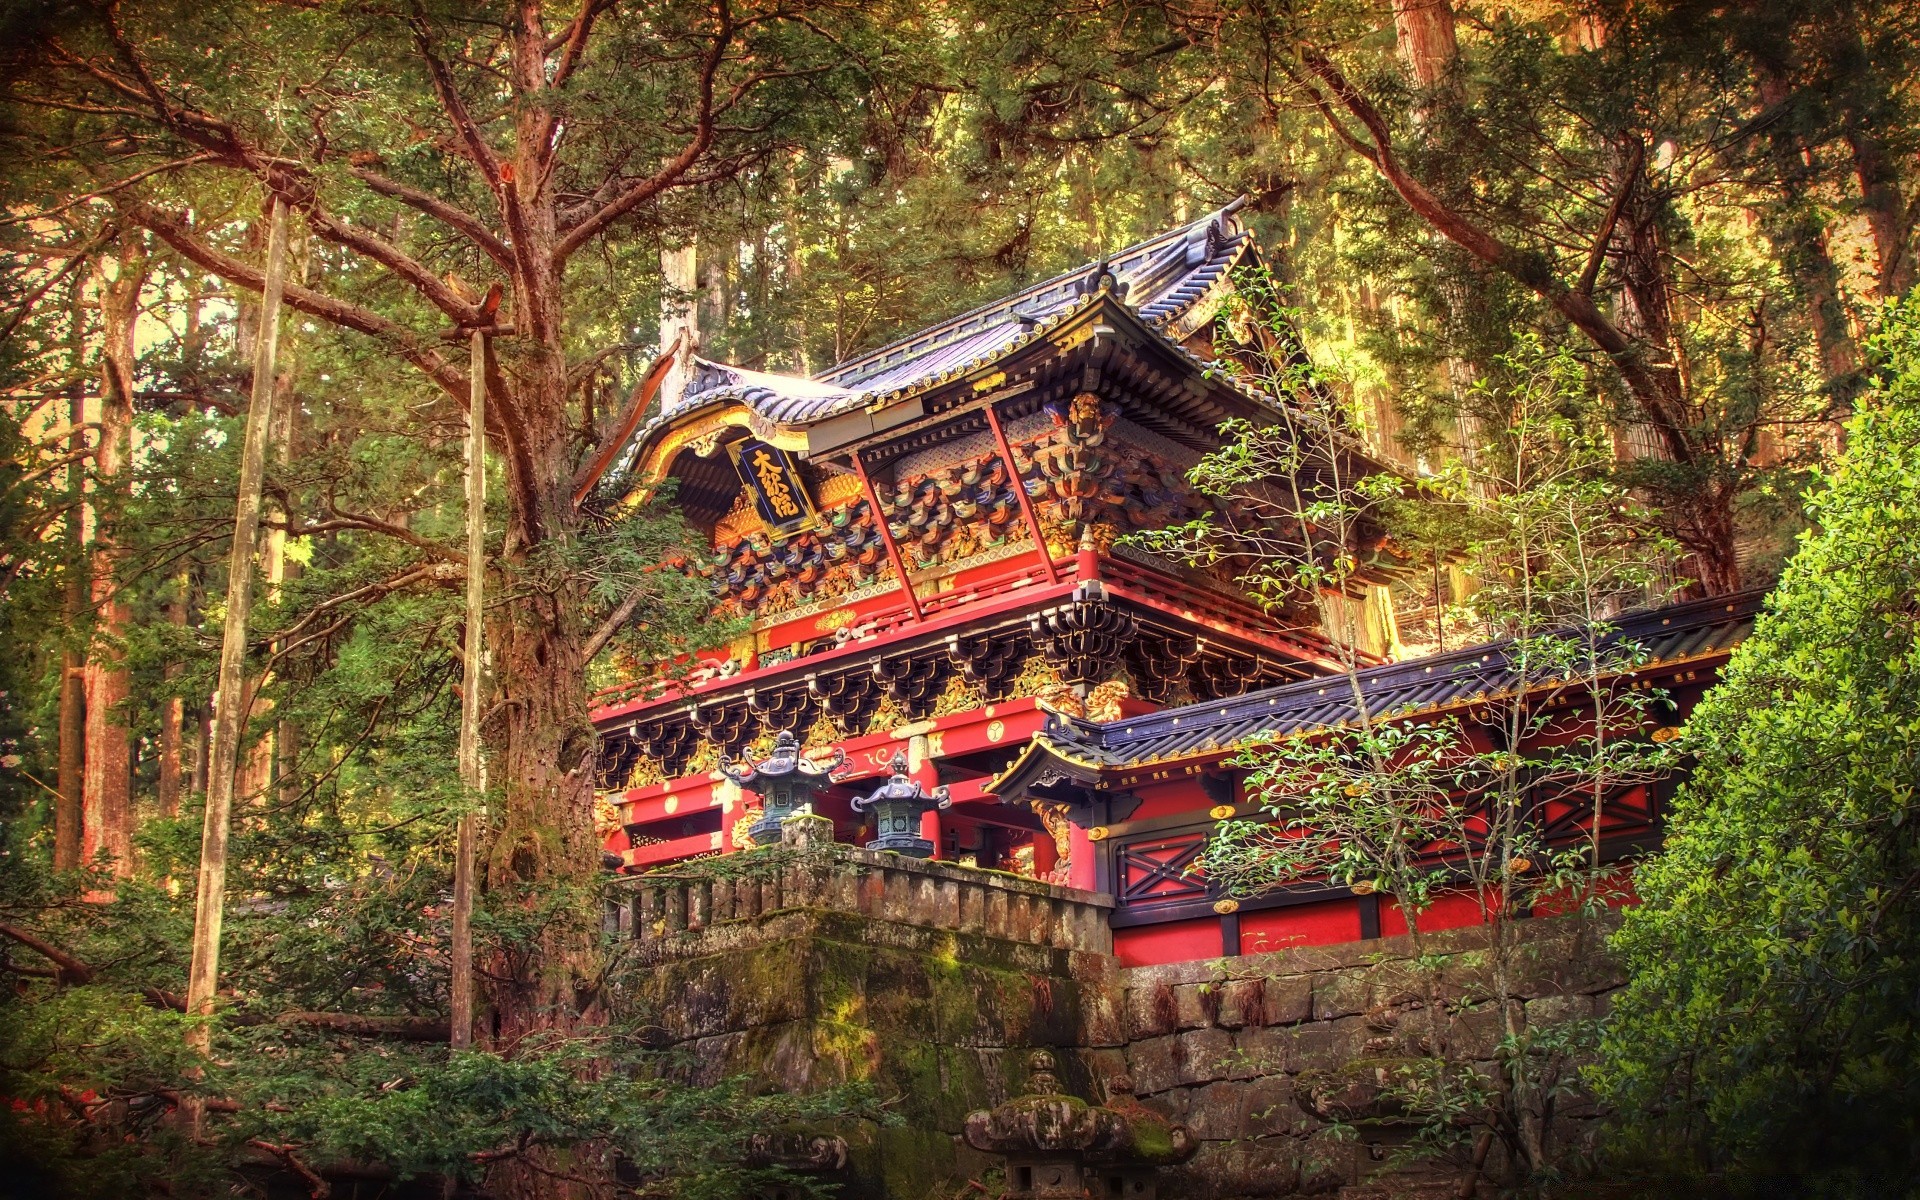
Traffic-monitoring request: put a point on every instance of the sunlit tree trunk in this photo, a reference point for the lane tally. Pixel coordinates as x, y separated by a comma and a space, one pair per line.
108, 818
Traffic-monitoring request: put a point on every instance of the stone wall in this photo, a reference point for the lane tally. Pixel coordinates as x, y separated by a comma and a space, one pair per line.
813, 965
1227, 1046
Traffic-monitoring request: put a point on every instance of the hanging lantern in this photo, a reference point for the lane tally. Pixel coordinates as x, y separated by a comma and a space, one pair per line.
897, 806
785, 781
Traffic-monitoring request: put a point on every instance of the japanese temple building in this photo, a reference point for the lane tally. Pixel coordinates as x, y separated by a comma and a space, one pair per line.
924, 551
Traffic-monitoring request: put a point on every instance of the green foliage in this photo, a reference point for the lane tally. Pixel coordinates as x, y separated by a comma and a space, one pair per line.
1770, 1026
1417, 808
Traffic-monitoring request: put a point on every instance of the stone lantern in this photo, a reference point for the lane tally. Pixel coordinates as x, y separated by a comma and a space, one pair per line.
897, 806
1059, 1147
784, 781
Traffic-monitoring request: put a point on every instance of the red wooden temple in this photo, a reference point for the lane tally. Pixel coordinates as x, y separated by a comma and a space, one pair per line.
922, 551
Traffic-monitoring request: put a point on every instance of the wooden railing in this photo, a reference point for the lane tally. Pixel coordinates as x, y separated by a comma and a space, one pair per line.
807, 870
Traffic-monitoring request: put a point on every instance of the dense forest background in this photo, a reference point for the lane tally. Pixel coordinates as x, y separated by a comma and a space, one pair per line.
1699, 211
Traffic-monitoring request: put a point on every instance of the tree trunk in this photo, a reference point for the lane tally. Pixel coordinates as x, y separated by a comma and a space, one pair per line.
67, 814
107, 825
544, 854
460, 987
1883, 200
1796, 228
173, 714
211, 892
1424, 34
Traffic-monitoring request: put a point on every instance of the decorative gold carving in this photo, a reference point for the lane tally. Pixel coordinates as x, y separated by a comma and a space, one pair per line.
1054, 817
823, 732
836, 490
1099, 833
646, 770
705, 757
958, 696
1061, 698
606, 817
1036, 675
1104, 701
888, 714
1221, 812
1226, 907
839, 618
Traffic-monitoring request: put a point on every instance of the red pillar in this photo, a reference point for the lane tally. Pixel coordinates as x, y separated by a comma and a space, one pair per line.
1080, 867
921, 769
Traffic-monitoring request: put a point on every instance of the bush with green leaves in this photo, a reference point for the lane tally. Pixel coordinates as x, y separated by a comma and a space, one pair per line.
1772, 1025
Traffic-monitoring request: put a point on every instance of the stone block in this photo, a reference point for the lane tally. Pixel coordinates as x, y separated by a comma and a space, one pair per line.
1204, 1055
1097, 1067
1315, 1047
1210, 1112
1558, 1010
1477, 1032
1288, 999
1150, 1010
1103, 1018
1195, 1004
1266, 1050
1267, 1109
1339, 994
716, 1057
1242, 1003
899, 993
1152, 1063
1240, 1170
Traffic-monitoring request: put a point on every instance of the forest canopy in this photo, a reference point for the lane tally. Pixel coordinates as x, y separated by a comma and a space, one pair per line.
1698, 217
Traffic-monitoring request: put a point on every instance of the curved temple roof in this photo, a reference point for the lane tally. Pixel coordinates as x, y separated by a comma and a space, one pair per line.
1162, 279
1700, 629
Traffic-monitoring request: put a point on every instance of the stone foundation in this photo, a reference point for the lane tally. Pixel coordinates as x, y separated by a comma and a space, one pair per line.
932, 982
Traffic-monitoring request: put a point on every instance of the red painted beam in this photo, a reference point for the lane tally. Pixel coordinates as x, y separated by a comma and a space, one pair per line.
886, 539
1020, 492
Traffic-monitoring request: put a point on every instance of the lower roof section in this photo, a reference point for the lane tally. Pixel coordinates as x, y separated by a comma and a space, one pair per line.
1125, 752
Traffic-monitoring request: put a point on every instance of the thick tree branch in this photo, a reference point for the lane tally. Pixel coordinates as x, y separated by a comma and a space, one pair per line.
478, 151
611, 626
1601, 240
335, 311
675, 167
452, 216
73, 970
1657, 396
623, 425
572, 44
405, 266
532, 311
521, 476
317, 1186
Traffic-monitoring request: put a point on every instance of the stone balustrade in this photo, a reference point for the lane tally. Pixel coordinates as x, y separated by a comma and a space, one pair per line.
808, 870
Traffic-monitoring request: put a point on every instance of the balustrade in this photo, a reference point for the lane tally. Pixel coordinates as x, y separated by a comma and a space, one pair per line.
807, 870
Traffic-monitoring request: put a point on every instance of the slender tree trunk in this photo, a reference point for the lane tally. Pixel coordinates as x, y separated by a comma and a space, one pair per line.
1424, 35
67, 817
108, 820
202, 747
210, 899
470, 678
173, 714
